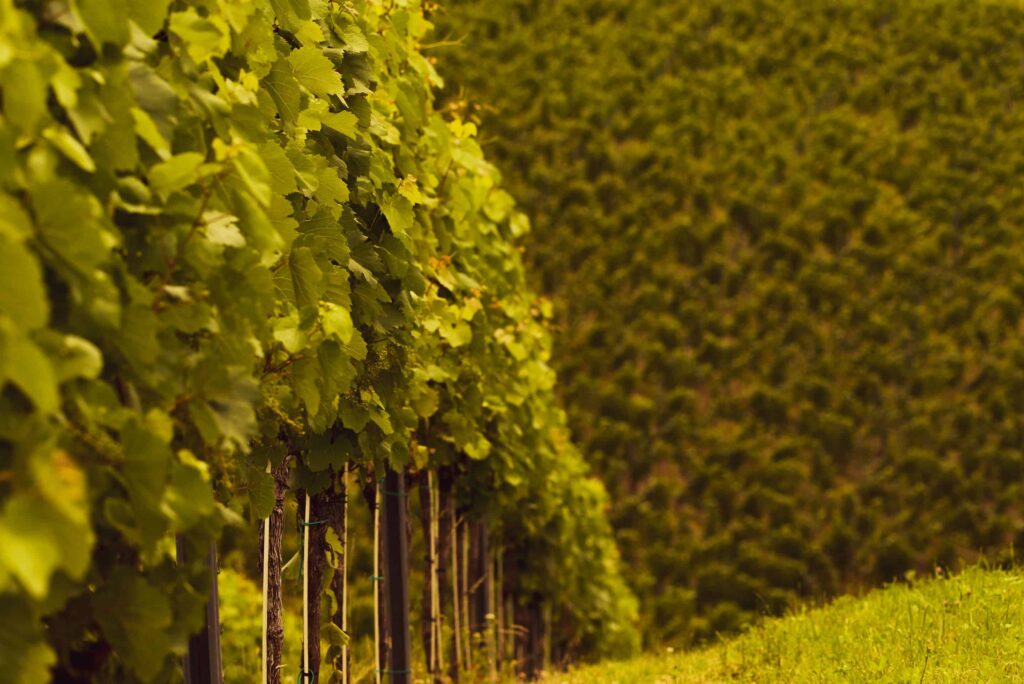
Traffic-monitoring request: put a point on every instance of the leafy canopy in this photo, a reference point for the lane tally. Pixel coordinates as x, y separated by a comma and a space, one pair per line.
234, 233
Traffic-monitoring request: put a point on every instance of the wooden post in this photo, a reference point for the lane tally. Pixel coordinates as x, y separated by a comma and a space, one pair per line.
444, 512
494, 611
480, 594
435, 618
464, 574
336, 514
428, 619
264, 566
433, 635
274, 621
510, 627
435, 528
304, 564
458, 659
479, 584
314, 530
499, 603
201, 663
536, 649
396, 578
378, 664
346, 668
546, 657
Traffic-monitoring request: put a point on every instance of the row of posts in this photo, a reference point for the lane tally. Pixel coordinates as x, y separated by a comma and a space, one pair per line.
202, 662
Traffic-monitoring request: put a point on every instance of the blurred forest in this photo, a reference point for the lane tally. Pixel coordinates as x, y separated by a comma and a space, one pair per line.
783, 240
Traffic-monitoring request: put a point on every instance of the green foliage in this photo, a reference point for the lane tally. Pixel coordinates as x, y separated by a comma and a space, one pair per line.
960, 629
783, 239
234, 232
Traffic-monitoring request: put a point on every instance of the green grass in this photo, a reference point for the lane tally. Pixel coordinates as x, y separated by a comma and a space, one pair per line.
968, 628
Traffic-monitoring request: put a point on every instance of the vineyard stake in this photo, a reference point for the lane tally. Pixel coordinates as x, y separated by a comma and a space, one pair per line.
433, 572
266, 583
454, 565
499, 602
435, 525
344, 576
378, 665
396, 581
305, 593
466, 623
201, 663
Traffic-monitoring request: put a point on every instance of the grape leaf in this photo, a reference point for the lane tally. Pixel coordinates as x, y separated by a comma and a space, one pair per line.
262, 494
24, 655
22, 292
62, 139
176, 173
202, 37
134, 616
337, 322
27, 367
306, 277
27, 109
399, 213
146, 468
150, 15
343, 122
106, 20
188, 497
36, 540
284, 90
147, 129
315, 72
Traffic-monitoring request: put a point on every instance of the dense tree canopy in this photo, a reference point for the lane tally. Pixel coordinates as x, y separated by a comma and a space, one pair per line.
784, 243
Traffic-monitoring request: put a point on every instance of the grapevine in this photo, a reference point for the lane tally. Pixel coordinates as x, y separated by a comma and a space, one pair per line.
236, 235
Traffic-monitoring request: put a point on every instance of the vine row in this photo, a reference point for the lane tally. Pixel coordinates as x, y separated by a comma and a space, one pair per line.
237, 234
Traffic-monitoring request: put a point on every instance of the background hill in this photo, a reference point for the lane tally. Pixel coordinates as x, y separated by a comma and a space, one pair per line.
783, 240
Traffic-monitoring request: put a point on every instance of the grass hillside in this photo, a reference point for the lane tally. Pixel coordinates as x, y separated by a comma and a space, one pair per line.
784, 243
965, 629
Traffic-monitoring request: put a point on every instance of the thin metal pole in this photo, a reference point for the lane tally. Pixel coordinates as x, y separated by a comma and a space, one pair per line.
456, 621
344, 577
305, 593
396, 581
201, 662
266, 585
377, 664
